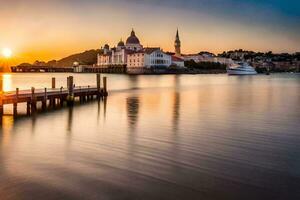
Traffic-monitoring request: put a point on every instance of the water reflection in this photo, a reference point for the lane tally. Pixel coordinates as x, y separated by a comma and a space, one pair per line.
189, 137
70, 120
133, 104
176, 104
6, 129
98, 110
104, 106
133, 81
33, 123
176, 121
6, 82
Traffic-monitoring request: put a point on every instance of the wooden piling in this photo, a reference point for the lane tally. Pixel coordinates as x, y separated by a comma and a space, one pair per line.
70, 97
53, 83
15, 104
52, 100
44, 101
88, 93
28, 108
98, 85
61, 99
33, 100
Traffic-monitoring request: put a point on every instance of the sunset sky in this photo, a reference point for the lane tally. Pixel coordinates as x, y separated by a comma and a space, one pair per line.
45, 30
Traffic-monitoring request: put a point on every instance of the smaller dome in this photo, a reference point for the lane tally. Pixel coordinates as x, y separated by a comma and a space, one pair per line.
106, 46
121, 44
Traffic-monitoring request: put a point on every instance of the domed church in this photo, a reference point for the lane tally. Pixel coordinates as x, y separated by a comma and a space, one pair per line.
117, 56
133, 42
134, 57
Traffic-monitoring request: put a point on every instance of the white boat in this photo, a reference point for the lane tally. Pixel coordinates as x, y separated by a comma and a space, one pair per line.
242, 68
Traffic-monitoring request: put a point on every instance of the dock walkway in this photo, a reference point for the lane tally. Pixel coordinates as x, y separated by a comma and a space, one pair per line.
49, 96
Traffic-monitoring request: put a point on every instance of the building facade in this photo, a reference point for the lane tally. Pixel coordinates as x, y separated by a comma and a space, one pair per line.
177, 62
149, 58
117, 56
208, 58
133, 55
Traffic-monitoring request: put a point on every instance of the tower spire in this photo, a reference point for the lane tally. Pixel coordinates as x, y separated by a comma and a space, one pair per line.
132, 32
177, 44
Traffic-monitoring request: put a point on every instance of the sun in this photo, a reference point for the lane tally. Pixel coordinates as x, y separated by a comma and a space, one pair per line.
6, 52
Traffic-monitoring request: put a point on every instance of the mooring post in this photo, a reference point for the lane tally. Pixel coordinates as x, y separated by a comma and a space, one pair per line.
105, 86
15, 105
61, 100
52, 100
28, 108
80, 95
98, 85
68, 81
53, 82
88, 93
70, 97
44, 102
33, 100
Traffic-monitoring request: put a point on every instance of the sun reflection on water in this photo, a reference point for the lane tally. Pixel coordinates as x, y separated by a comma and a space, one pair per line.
7, 82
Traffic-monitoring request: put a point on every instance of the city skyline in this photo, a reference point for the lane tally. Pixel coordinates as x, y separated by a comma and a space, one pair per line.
36, 30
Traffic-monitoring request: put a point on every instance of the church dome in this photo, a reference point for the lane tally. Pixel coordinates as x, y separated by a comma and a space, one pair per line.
121, 44
132, 39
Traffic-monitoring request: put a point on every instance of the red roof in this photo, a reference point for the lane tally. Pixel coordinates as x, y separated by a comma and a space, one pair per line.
177, 59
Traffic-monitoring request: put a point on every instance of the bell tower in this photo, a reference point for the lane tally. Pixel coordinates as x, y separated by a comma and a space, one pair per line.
177, 45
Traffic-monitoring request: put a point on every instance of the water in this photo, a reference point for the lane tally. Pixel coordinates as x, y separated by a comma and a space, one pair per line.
157, 137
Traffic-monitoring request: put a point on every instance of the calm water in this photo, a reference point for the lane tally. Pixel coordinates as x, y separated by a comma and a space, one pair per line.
157, 137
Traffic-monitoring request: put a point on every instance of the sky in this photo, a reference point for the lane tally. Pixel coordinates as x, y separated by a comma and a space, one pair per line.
46, 30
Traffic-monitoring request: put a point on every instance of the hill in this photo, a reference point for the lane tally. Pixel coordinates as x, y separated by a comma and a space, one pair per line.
85, 58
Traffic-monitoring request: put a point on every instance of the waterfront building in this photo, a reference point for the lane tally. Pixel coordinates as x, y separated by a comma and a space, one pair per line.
133, 55
104, 59
117, 56
207, 57
177, 61
149, 58
195, 57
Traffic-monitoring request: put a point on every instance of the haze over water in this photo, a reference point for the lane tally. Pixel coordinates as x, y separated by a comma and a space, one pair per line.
157, 137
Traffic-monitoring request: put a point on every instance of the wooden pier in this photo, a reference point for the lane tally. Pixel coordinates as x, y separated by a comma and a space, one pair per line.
50, 96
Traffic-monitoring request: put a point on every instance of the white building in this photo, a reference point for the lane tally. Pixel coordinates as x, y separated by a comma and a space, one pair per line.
149, 58
118, 56
207, 58
195, 57
134, 56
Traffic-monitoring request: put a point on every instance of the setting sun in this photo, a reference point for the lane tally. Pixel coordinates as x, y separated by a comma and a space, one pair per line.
6, 52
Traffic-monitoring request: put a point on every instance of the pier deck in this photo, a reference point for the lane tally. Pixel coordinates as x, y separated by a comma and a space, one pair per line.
49, 96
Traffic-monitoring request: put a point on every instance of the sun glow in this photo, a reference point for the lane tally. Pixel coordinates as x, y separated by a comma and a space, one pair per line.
6, 52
